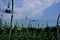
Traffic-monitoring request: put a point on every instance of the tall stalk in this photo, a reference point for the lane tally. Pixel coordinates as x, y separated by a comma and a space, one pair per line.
11, 22
57, 27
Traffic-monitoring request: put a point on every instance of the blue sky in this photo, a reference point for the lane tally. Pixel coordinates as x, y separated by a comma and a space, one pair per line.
52, 12
33, 9
42, 10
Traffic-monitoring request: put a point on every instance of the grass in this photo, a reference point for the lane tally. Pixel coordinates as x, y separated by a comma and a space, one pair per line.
22, 33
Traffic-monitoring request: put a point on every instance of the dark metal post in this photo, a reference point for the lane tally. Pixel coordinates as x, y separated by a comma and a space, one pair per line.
57, 27
1, 22
11, 22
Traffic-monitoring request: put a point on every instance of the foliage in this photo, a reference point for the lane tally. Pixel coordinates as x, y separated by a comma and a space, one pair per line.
49, 33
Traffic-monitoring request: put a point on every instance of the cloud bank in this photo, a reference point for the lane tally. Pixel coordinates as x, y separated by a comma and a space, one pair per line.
33, 9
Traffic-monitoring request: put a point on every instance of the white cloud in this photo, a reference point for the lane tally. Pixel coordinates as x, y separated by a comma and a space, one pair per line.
32, 8
57, 1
